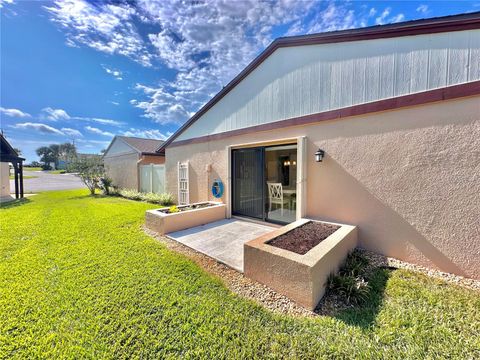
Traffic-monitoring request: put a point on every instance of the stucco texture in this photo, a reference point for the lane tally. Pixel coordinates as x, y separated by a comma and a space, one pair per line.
408, 178
123, 170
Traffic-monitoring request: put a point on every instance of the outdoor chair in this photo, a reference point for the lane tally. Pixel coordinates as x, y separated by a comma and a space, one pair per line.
275, 196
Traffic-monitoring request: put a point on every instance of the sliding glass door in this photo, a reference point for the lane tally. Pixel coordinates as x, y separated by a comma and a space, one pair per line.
247, 174
264, 183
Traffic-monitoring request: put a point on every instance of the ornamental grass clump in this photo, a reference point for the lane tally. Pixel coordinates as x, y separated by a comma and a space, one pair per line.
351, 282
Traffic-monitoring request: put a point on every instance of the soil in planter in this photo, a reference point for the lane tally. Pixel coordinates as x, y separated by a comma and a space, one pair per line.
304, 238
186, 208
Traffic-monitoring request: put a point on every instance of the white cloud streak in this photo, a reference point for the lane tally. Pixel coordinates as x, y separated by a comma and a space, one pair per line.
117, 74
423, 9
49, 113
72, 132
43, 128
95, 130
149, 134
14, 113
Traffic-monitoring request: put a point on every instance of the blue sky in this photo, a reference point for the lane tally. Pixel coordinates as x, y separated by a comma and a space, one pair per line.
88, 70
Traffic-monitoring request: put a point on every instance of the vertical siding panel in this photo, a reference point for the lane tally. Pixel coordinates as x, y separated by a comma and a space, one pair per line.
458, 58
336, 86
358, 85
474, 63
419, 70
387, 75
437, 63
372, 80
402, 68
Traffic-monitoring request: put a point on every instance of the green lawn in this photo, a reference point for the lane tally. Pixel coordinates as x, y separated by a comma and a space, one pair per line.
57, 171
12, 177
27, 168
79, 279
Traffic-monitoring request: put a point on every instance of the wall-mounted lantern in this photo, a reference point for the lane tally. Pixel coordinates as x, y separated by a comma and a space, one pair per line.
319, 154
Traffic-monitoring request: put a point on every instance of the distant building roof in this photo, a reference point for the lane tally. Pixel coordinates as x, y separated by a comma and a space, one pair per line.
7, 152
141, 145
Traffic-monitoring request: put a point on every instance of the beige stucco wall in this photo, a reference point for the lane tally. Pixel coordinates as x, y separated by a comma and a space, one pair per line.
4, 179
409, 178
123, 170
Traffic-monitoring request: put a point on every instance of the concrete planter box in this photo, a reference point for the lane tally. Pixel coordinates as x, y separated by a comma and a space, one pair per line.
163, 223
302, 278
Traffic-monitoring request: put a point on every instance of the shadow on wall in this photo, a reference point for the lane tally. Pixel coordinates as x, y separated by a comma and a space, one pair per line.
381, 229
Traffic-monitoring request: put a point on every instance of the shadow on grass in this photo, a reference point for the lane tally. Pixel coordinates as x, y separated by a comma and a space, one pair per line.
14, 203
364, 315
89, 196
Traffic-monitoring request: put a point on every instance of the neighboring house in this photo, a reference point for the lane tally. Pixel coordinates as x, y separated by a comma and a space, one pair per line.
8, 156
132, 163
394, 108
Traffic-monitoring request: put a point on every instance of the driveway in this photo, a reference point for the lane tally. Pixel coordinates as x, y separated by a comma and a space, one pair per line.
45, 181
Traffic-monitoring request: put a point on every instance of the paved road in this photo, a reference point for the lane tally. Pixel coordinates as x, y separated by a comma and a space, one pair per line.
45, 181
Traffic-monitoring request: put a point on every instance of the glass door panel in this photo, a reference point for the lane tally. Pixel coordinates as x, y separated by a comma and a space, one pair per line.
281, 183
248, 182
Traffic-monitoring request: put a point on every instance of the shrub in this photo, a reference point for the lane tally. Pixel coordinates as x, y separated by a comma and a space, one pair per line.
91, 171
106, 184
351, 281
164, 199
130, 194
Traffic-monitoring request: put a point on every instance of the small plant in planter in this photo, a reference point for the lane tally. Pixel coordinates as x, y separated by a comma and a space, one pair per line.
173, 209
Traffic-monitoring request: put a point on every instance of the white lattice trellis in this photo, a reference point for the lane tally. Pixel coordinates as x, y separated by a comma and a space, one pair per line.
183, 193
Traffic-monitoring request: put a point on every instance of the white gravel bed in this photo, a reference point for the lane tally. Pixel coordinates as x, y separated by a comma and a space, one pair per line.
385, 261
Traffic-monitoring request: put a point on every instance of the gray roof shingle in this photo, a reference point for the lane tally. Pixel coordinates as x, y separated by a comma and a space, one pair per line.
142, 145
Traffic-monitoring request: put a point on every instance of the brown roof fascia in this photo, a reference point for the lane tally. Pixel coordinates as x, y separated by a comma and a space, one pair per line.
416, 27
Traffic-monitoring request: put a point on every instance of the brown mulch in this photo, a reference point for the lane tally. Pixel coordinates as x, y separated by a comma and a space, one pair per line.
304, 238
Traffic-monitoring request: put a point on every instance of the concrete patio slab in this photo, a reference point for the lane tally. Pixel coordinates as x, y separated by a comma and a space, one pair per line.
222, 240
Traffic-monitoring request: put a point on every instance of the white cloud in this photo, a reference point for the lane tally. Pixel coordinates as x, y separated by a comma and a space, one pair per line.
2, 2
397, 18
54, 114
95, 130
149, 134
105, 27
117, 74
372, 12
422, 9
43, 128
116, 103
99, 120
382, 18
72, 132
209, 43
14, 113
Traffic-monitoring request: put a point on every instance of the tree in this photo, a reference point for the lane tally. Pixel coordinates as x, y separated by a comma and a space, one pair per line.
18, 151
91, 171
46, 155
